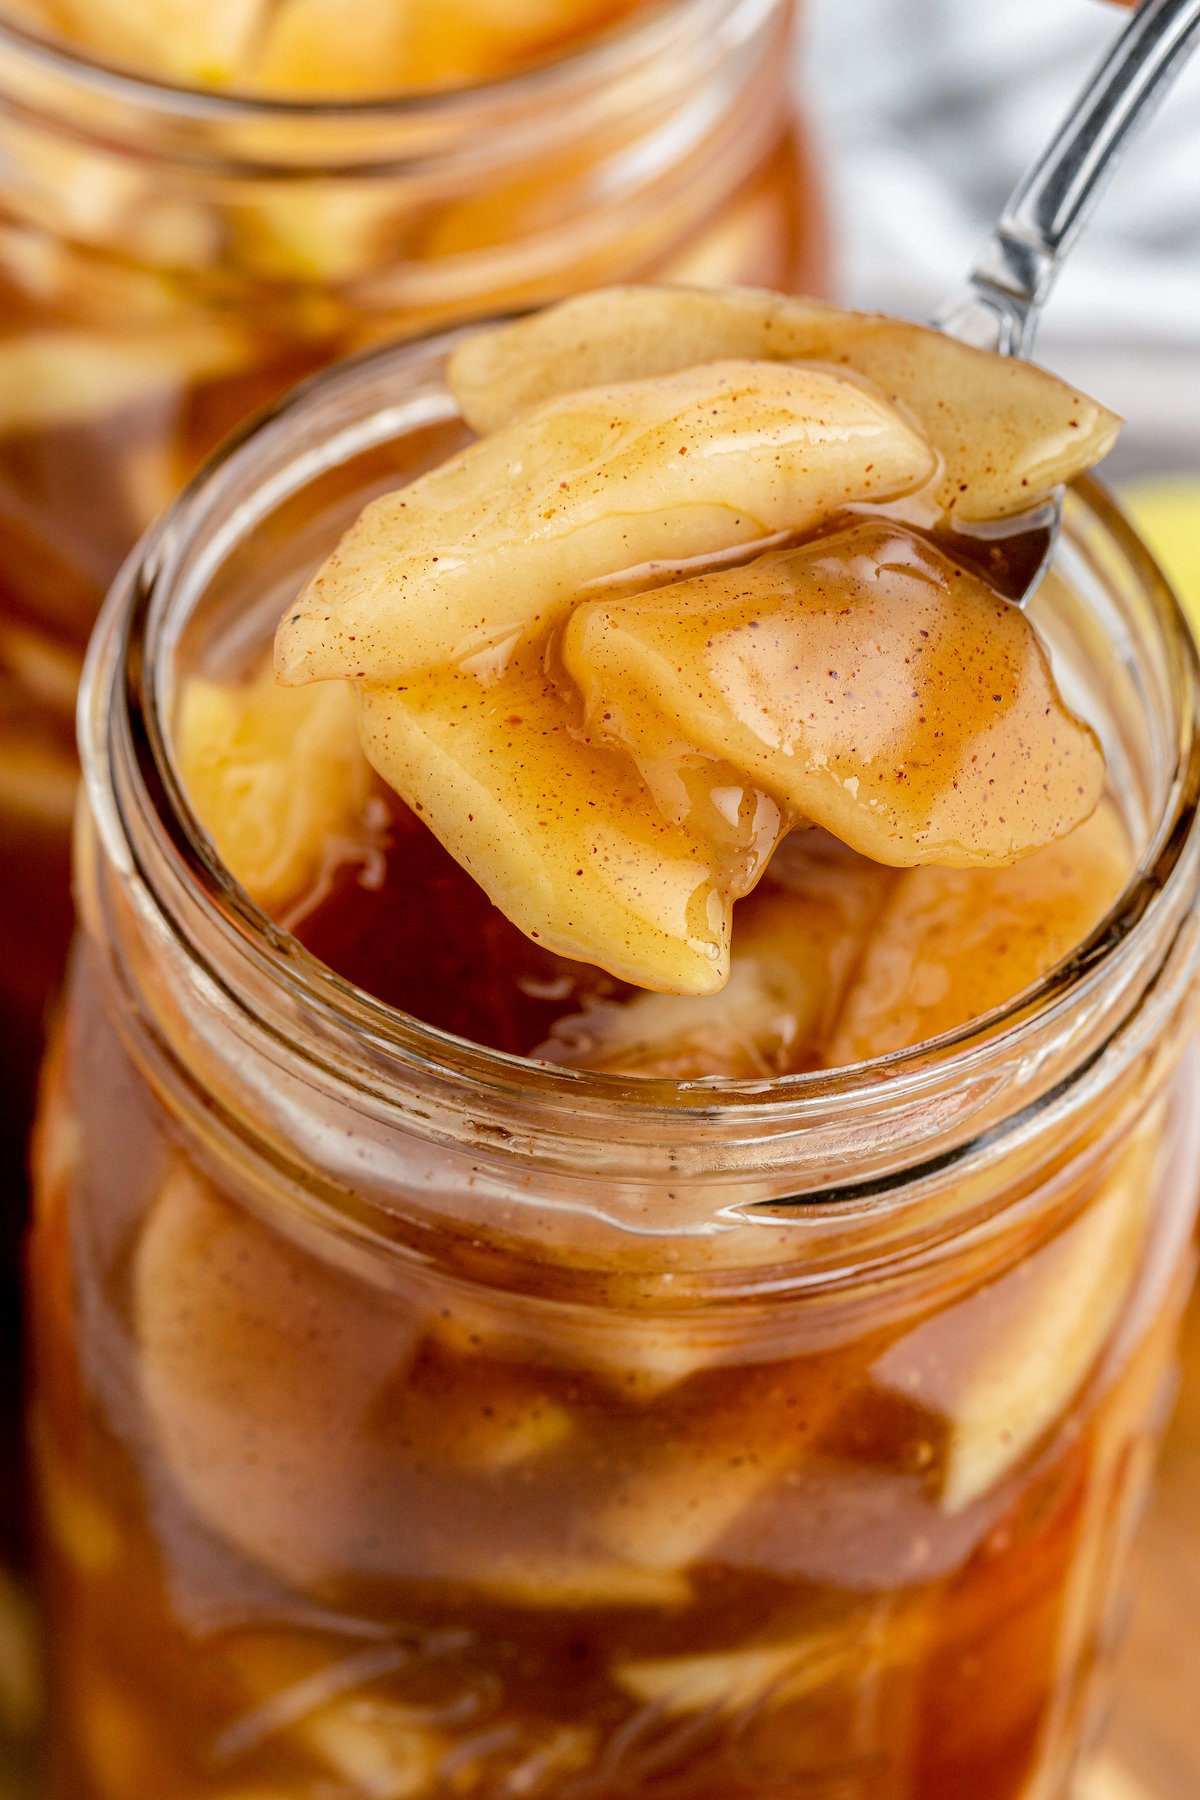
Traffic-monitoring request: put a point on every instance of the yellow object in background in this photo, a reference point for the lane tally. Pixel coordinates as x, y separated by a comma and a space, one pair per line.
1166, 511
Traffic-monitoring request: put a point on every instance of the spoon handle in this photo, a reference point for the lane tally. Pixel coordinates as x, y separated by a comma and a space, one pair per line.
998, 307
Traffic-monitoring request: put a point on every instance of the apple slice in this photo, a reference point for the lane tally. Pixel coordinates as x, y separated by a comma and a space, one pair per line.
461, 41
260, 1367
307, 49
673, 1511
732, 1681
397, 46
517, 1426
57, 379
20, 1669
952, 944
563, 835
80, 1527
39, 773
320, 1700
561, 1582
119, 1750
496, 543
39, 783
680, 1494
624, 333
637, 1355
1006, 431
320, 232
41, 667
751, 1027
278, 779
865, 682
794, 949
313, 1424
41, 13
202, 46
1002, 1367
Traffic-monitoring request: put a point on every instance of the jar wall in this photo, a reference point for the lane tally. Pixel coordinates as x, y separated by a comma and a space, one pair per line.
418, 1420
319, 1511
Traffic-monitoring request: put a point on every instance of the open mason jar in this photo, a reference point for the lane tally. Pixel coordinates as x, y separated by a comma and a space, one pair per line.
171, 259
413, 1419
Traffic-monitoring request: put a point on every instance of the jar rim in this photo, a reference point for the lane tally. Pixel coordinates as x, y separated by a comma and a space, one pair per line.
121, 718
635, 39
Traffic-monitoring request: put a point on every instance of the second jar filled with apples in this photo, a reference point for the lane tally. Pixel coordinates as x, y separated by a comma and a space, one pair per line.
195, 211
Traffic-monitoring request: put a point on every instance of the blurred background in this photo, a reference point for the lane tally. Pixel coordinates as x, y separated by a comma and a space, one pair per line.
927, 113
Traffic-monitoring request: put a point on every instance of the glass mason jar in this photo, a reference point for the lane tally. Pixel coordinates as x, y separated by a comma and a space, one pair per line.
416, 1420
169, 260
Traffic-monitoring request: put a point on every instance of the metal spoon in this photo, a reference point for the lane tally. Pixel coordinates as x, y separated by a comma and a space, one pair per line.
999, 305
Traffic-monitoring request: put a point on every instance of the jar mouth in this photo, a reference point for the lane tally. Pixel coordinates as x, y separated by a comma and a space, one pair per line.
606, 53
145, 818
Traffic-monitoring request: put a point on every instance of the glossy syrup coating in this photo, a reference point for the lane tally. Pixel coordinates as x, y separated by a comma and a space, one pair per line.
866, 682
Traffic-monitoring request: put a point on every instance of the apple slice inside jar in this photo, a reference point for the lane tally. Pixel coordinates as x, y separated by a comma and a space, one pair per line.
57, 379
1005, 431
303, 1420
684, 1489
278, 779
79, 191
580, 1583
336, 1705
320, 1700
397, 46
39, 670
469, 40
794, 950
637, 1354
321, 232
673, 1511
39, 783
204, 46
38, 769
733, 1681
1001, 1368
562, 834
260, 1366
306, 48
951, 944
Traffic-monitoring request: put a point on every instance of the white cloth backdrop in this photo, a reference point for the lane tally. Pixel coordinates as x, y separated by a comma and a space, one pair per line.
929, 109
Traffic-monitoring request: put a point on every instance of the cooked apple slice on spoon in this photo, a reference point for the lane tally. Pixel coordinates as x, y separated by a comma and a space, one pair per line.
865, 682
1006, 432
495, 545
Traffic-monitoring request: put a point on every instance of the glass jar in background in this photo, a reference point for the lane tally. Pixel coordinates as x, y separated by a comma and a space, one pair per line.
170, 259
412, 1419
